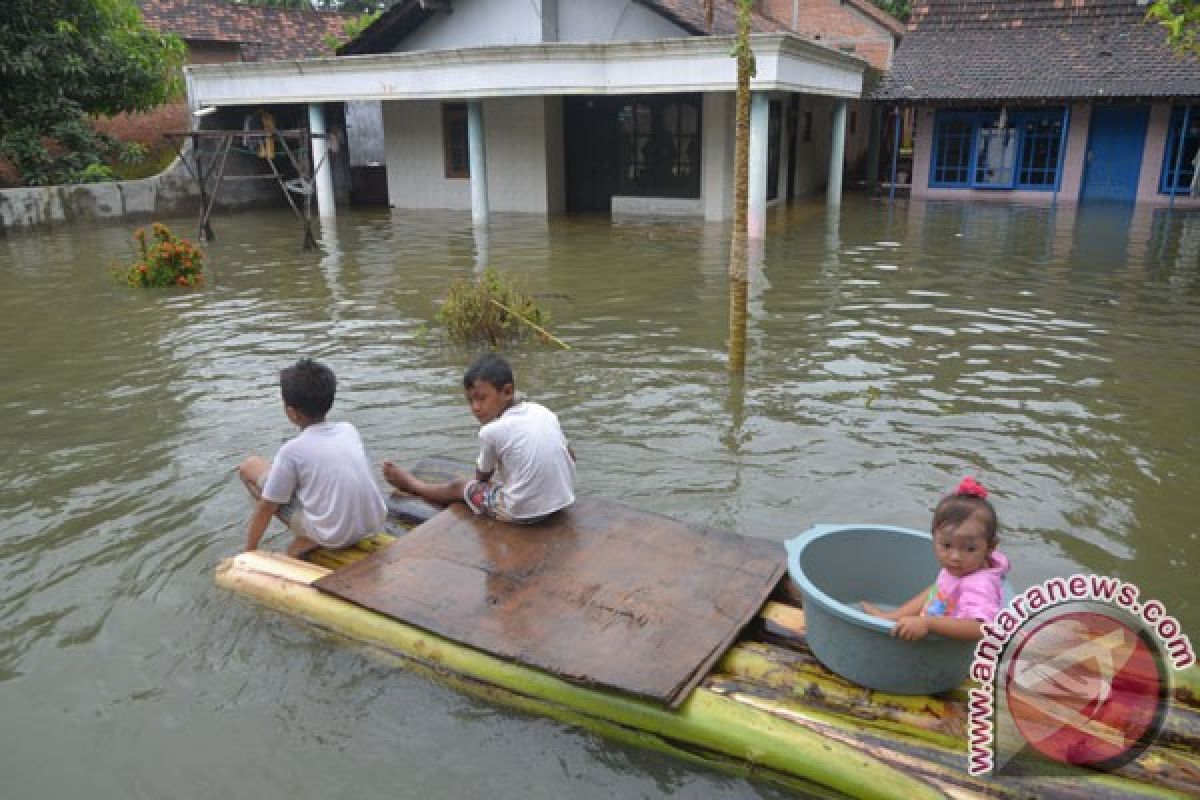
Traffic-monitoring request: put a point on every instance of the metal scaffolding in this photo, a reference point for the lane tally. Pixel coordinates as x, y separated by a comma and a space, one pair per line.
208, 156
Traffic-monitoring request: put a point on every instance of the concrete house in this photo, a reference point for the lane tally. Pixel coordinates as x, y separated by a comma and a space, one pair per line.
1043, 101
621, 106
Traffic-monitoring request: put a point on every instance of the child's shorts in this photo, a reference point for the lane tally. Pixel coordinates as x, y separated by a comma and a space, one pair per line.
292, 513
486, 500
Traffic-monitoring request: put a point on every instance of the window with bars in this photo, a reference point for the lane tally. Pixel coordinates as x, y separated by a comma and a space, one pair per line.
952, 151
995, 149
659, 146
1181, 172
1041, 139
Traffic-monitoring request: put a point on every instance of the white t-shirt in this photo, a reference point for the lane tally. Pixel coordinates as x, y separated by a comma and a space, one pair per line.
528, 452
326, 468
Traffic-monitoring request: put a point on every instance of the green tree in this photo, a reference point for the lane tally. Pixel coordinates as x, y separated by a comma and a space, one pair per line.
900, 9
1181, 18
61, 60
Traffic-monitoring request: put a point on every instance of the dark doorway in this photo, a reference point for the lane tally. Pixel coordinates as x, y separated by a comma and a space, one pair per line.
590, 152
774, 135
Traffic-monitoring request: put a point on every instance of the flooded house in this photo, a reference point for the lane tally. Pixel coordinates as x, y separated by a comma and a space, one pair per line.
1043, 101
610, 106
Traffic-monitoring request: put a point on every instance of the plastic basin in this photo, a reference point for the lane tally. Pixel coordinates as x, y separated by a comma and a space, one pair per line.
839, 566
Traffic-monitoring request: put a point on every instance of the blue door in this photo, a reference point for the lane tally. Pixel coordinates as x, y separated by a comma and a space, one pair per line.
1114, 155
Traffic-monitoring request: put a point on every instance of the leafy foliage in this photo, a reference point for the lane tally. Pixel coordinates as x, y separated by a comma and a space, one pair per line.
61, 60
1181, 18
351, 28
900, 9
481, 310
164, 261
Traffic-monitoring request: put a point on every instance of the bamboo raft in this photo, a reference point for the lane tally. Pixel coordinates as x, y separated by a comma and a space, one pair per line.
767, 711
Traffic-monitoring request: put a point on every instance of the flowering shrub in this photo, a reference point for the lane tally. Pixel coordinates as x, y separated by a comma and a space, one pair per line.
164, 261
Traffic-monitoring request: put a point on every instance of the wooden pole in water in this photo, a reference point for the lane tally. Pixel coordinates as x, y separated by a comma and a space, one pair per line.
738, 256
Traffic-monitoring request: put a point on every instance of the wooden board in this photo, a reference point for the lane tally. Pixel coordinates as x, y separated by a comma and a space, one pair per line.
599, 594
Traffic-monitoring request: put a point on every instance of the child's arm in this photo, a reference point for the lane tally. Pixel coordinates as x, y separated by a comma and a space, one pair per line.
259, 520
912, 628
911, 608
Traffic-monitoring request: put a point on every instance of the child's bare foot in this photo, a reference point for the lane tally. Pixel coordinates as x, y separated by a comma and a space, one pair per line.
399, 478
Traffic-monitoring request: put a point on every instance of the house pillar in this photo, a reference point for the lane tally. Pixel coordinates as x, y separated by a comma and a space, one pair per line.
837, 153
478, 163
760, 117
323, 177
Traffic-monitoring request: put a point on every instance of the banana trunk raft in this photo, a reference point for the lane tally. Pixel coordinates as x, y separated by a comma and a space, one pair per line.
763, 707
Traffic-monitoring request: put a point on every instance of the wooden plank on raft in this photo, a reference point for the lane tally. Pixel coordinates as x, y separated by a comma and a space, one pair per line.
600, 594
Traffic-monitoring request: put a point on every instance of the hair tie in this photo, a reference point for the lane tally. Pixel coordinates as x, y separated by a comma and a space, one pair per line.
971, 488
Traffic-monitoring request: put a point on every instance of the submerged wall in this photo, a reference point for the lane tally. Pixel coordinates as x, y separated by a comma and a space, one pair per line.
170, 193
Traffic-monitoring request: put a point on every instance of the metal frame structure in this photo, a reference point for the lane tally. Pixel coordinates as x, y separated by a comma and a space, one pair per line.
207, 166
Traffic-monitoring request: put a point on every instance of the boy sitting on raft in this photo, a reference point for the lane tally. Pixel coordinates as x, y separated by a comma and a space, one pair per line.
319, 484
526, 469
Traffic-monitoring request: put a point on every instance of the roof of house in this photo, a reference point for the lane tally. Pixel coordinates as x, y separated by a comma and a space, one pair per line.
406, 15
1035, 50
265, 34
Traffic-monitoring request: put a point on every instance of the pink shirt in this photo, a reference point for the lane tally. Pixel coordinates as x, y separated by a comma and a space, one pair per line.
975, 596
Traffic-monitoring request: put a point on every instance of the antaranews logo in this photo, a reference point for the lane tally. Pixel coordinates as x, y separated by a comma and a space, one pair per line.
1075, 670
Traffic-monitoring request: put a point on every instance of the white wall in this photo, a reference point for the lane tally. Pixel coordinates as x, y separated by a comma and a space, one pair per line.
517, 150
718, 142
812, 157
475, 23
612, 21
556, 170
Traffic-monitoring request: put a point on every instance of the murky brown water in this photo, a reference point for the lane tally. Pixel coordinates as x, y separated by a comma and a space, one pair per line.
1054, 354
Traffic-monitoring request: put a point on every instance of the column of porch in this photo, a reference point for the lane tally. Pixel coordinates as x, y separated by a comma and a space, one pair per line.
837, 153
323, 179
478, 162
760, 117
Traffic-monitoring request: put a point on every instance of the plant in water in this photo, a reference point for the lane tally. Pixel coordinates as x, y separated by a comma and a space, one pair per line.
492, 310
164, 260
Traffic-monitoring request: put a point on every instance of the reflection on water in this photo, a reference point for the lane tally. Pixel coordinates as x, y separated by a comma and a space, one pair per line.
1054, 353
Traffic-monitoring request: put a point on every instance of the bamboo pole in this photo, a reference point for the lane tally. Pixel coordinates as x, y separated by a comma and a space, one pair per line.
533, 325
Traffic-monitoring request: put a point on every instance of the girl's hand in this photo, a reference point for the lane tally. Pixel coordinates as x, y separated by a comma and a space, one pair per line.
911, 629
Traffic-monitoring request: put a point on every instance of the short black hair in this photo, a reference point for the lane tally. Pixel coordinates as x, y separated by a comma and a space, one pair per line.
490, 367
308, 386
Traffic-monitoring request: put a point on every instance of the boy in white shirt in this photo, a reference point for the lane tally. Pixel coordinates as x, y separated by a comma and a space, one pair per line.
319, 484
526, 469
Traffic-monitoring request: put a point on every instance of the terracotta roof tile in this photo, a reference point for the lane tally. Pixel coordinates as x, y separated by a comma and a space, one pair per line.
265, 34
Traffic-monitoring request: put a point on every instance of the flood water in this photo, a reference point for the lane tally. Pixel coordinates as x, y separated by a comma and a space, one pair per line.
1053, 353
